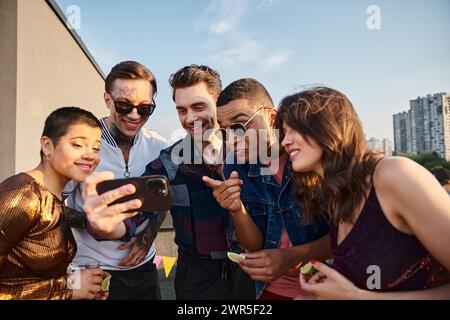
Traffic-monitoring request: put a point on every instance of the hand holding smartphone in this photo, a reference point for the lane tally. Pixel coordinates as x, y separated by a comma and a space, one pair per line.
153, 191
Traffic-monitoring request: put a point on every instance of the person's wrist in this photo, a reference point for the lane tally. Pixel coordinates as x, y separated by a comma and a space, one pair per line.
239, 212
288, 256
94, 231
294, 255
361, 294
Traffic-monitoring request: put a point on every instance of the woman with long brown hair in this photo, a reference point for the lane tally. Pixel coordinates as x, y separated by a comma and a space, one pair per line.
389, 217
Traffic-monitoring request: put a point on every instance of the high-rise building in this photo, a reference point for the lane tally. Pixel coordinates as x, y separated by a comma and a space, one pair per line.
403, 140
381, 145
425, 127
387, 147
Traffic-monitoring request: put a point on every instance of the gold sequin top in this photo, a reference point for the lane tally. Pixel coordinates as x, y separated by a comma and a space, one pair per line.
36, 244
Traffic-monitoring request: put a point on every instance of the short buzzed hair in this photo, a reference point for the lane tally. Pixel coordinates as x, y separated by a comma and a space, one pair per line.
59, 121
249, 89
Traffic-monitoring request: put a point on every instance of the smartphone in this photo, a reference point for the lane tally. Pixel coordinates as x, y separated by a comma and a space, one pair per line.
153, 191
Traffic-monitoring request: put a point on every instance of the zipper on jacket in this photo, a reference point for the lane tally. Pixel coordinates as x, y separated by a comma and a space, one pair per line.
127, 172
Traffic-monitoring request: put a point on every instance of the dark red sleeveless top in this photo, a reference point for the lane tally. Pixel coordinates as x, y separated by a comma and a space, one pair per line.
403, 262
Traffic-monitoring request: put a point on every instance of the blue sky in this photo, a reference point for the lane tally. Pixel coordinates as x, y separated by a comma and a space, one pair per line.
284, 44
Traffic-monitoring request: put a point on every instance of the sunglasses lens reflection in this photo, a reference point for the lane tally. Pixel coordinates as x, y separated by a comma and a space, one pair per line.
143, 110
146, 110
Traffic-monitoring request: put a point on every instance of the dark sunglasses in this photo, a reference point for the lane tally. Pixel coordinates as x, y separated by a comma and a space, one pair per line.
144, 110
239, 128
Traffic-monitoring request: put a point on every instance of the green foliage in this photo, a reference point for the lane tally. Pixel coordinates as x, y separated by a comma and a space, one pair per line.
430, 160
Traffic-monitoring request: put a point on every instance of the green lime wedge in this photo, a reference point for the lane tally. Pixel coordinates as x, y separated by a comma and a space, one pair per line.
235, 257
308, 269
105, 283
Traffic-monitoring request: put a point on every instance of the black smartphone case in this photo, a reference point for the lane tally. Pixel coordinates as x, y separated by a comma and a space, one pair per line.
153, 191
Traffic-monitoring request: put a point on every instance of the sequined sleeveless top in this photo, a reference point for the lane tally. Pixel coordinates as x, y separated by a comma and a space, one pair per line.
36, 243
404, 264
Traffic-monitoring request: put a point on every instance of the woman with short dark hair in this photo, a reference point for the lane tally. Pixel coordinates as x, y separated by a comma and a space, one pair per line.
36, 243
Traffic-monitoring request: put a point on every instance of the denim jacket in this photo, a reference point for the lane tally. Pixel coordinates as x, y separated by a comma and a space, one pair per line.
271, 205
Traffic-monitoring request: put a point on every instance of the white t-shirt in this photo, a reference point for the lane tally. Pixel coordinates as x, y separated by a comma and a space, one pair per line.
146, 148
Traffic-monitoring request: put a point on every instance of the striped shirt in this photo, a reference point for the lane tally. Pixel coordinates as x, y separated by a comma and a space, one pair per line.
200, 223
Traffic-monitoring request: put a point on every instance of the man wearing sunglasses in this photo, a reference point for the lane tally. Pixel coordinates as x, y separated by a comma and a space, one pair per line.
127, 147
258, 194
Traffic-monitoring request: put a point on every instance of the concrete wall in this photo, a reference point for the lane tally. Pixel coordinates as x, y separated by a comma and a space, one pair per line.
45, 69
8, 79
52, 71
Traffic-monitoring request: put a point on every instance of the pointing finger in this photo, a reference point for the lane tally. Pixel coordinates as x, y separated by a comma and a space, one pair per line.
211, 182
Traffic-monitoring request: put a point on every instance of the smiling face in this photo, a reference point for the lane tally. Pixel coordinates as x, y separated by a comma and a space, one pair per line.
246, 147
305, 154
196, 109
76, 154
133, 91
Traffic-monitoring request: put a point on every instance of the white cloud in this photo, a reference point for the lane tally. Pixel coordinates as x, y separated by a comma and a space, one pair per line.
250, 53
276, 59
267, 4
230, 45
226, 15
243, 52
